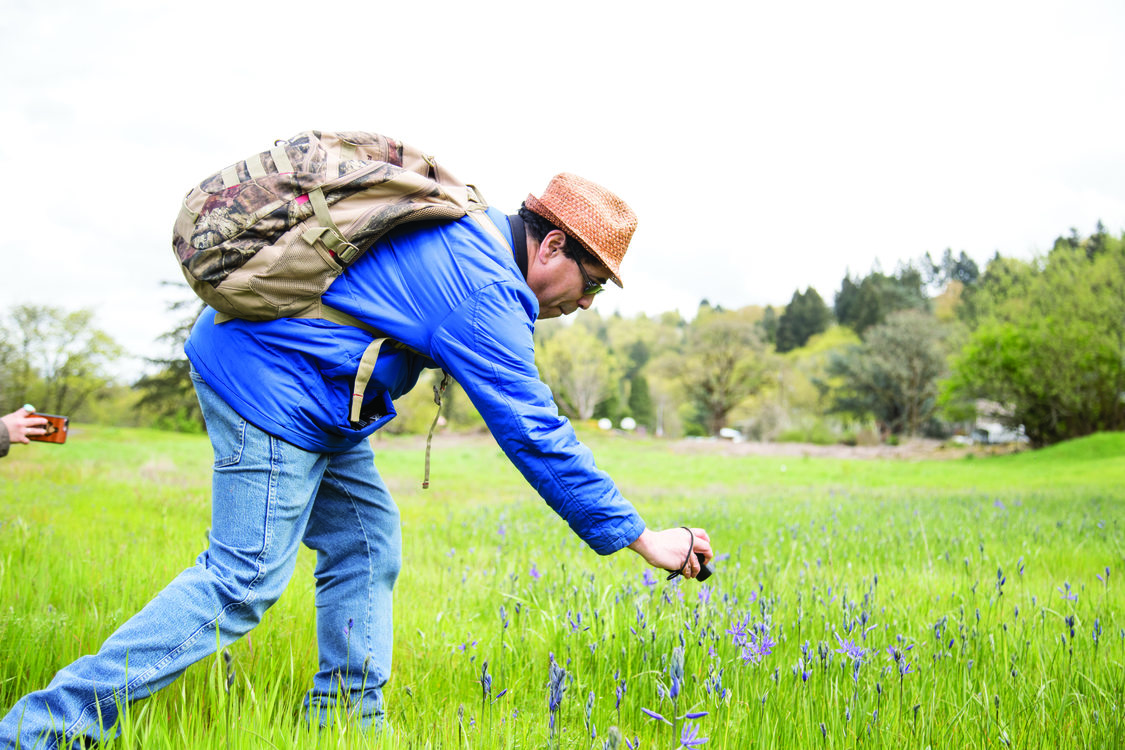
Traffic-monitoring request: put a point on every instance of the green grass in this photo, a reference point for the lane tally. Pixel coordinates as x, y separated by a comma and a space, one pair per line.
883, 553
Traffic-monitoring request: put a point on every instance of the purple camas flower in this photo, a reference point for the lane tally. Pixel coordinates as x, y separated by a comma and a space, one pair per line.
704, 594
485, 682
653, 715
557, 687
714, 685
737, 632
676, 673
534, 572
850, 649
758, 646
690, 738
648, 579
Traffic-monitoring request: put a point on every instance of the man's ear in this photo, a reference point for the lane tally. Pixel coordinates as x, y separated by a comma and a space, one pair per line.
551, 245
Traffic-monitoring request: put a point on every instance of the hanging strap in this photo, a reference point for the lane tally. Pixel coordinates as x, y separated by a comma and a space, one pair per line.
439, 389
363, 377
519, 242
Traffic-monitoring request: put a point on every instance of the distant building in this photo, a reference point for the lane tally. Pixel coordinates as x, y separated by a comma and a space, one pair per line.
993, 425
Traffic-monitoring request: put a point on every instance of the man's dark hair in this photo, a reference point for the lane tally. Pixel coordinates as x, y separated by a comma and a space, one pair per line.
540, 228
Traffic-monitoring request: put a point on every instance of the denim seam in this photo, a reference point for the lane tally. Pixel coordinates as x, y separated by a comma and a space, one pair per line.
368, 604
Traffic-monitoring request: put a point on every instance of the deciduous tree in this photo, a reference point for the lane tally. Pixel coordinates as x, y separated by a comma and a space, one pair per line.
724, 363
54, 359
893, 375
579, 369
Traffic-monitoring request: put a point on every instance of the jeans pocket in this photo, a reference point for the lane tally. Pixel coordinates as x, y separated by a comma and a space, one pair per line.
225, 427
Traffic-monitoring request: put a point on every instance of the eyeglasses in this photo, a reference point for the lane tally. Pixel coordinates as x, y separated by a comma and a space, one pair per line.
592, 287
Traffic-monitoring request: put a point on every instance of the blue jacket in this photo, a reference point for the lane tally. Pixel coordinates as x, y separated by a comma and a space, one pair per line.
454, 296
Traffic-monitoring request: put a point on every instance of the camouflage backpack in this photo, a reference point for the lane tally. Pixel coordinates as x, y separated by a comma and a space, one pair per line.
265, 237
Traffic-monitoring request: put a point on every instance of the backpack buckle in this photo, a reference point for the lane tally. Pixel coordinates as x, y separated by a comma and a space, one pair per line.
347, 252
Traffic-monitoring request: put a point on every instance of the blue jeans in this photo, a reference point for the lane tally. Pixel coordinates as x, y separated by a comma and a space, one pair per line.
267, 497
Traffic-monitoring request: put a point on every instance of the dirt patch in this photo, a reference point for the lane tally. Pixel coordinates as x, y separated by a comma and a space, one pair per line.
913, 449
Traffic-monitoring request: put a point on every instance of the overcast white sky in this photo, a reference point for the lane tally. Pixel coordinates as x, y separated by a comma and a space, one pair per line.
766, 146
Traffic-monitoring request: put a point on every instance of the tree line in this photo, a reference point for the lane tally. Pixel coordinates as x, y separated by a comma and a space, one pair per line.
1037, 344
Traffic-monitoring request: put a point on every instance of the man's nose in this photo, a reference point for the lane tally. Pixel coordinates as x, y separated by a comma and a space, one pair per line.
585, 301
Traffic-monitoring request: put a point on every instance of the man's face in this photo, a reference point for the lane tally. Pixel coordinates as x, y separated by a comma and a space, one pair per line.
560, 285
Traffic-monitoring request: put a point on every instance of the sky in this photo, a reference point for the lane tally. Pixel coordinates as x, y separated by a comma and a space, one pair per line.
766, 147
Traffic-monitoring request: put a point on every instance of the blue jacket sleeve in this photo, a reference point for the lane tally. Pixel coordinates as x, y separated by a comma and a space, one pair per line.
486, 345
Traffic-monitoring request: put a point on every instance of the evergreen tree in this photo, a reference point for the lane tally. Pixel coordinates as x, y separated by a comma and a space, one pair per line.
168, 391
640, 402
805, 315
869, 302
768, 325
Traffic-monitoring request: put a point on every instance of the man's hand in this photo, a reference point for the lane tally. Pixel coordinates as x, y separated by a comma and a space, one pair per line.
20, 425
667, 549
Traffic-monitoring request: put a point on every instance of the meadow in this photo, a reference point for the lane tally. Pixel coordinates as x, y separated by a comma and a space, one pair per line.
968, 603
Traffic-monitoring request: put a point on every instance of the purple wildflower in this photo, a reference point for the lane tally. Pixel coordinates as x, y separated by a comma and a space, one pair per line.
690, 738
760, 645
557, 684
737, 632
648, 579
850, 649
485, 683
534, 572
654, 715
676, 673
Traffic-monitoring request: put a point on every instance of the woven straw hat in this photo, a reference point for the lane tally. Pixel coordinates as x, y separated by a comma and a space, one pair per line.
597, 218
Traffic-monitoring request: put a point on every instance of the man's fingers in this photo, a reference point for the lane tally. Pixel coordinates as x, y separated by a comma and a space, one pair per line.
702, 544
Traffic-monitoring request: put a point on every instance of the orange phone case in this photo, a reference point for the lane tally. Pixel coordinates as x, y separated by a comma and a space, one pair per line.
56, 428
